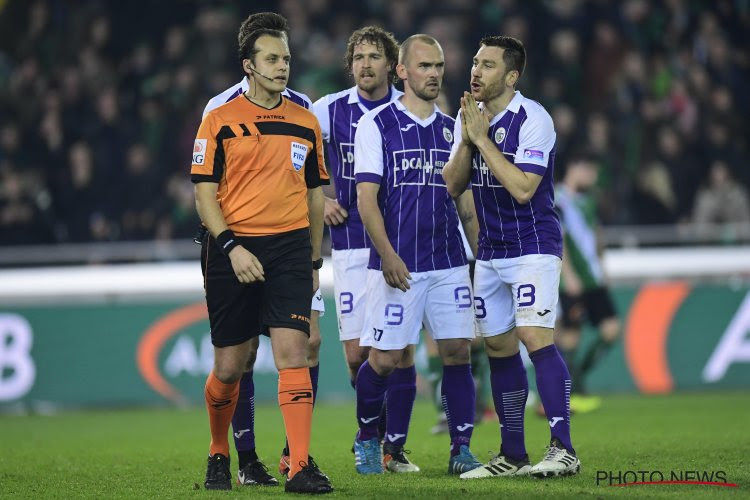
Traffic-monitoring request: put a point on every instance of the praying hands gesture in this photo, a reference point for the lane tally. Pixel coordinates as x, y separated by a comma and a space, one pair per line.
474, 123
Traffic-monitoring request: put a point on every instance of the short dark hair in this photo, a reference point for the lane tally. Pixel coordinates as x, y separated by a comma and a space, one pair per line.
247, 48
262, 20
378, 37
255, 22
514, 55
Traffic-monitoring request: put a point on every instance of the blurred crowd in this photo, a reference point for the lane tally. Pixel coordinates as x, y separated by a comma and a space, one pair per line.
100, 101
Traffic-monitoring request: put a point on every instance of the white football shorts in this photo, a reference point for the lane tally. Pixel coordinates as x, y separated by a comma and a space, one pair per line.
318, 304
349, 288
521, 291
441, 300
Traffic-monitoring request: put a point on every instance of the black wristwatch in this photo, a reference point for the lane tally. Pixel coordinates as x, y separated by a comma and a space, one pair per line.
317, 264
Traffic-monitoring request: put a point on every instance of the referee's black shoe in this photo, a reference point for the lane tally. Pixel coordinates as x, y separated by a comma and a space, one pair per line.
309, 480
218, 476
255, 473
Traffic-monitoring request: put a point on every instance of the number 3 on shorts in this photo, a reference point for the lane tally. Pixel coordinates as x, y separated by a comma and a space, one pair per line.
346, 302
526, 292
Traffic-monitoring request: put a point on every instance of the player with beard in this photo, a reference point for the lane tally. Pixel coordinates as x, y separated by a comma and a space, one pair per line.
371, 58
418, 271
505, 151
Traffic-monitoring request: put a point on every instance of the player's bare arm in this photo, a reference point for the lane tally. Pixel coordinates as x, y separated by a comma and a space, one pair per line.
468, 214
315, 203
394, 270
521, 185
246, 266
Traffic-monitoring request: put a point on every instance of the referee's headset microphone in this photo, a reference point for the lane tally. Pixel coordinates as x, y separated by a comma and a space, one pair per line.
249, 67
259, 73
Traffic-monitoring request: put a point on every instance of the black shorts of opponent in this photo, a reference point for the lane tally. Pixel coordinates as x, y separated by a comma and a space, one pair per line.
595, 305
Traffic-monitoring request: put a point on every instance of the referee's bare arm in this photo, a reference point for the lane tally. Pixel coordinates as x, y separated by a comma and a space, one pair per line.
246, 266
315, 204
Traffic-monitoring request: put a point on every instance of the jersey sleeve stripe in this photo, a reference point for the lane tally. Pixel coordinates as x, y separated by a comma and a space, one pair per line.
531, 167
312, 172
368, 177
197, 178
225, 132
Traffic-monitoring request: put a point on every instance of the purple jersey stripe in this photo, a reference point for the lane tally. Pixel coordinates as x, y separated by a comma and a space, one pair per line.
420, 217
343, 118
507, 228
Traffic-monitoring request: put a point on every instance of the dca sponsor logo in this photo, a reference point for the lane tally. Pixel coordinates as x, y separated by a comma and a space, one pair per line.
347, 160
175, 353
418, 167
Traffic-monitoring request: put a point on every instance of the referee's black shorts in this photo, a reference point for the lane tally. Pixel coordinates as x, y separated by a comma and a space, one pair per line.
238, 311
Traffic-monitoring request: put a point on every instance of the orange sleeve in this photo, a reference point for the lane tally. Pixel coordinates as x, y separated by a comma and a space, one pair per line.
208, 153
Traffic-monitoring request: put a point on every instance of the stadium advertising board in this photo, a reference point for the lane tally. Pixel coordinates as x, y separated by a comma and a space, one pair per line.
676, 336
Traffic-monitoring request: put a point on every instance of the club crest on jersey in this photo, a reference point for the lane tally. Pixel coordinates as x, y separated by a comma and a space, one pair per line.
299, 155
499, 135
447, 135
199, 151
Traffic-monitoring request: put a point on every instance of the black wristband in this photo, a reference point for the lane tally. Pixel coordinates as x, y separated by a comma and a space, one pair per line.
317, 264
227, 241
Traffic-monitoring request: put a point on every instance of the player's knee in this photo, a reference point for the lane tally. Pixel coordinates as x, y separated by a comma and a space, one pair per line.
355, 356
384, 362
501, 346
354, 365
227, 374
455, 352
535, 338
610, 329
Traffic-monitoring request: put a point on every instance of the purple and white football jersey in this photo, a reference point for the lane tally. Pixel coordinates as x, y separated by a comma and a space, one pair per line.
237, 90
338, 115
406, 156
525, 134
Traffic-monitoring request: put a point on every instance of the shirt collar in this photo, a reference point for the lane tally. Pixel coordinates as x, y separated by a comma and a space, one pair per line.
354, 95
514, 106
400, 106
245, 86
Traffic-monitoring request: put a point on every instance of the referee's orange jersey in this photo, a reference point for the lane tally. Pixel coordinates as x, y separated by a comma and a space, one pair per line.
264, 161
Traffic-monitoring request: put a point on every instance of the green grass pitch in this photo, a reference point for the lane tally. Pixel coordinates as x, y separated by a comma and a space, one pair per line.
161, 453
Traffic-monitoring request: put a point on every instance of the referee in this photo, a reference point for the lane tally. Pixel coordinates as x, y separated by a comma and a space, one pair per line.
257, 168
